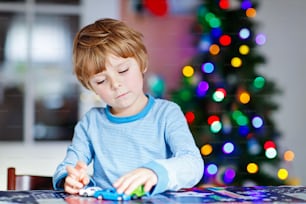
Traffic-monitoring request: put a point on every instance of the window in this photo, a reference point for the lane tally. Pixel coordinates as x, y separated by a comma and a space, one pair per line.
39, 96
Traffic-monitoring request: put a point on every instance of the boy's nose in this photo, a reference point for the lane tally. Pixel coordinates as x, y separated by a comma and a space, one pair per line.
116, 82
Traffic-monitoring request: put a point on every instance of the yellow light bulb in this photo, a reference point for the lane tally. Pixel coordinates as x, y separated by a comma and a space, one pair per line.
252, 168
206, 149
188, 71
244, 97
244, 49
236, 62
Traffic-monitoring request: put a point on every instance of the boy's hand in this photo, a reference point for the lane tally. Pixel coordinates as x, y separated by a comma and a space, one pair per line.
130, 181
77, 178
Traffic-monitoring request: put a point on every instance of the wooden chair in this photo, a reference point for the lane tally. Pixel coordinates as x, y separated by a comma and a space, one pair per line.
27, 182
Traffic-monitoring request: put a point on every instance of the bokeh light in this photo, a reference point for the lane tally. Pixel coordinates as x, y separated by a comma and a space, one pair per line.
229, 175
209, 16
188, 71
212, 20
271, 153
244, 49
224, 4
260, 39
246, 4
206, 149
228, 148
216, 127
214, 49
208, 67
225, 40
219, 95
189, 117
289, 155
257, 122
244, 130
242, 120
212, 169
282, 174
244, 97
259, 82
252, 168
244, 33
204, 43
250, 12
202, 88
269, 144
156, 85
212, 119
236, 62
253, 146
216, 32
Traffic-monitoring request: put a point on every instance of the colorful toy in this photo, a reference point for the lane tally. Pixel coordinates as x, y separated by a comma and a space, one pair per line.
89, 191
111, 194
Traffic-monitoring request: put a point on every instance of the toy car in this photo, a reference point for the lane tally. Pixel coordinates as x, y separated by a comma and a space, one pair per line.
89, 191
111, 194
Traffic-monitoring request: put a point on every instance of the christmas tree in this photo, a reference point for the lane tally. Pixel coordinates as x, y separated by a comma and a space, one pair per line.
226, 100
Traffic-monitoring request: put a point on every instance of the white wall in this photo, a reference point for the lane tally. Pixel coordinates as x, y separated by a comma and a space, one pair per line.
284, 23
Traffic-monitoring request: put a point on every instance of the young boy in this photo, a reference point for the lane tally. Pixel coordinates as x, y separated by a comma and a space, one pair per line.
136, 139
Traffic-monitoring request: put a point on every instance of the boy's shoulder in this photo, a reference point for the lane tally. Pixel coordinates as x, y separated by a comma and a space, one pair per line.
166, 103
94, 111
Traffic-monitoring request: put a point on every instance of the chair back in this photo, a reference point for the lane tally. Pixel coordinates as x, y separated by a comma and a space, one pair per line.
27, 182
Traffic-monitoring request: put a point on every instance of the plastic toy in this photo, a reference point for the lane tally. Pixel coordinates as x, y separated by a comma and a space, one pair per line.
111, 194
89, 191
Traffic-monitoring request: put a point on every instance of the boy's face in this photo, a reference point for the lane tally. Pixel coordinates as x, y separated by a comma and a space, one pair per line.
120, 85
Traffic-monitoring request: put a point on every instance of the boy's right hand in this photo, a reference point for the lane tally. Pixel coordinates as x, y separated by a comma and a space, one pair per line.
77, 178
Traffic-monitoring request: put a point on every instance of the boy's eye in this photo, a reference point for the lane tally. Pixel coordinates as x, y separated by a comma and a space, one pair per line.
100, 82
125, 70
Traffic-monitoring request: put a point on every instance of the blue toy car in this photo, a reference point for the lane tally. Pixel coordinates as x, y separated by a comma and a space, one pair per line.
111, 194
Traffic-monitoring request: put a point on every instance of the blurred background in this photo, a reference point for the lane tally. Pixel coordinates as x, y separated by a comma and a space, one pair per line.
41, 101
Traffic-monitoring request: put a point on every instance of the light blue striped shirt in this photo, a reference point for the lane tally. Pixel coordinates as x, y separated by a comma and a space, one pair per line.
157, 138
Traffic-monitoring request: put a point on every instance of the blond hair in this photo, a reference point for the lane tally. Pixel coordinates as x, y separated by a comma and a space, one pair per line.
94, 42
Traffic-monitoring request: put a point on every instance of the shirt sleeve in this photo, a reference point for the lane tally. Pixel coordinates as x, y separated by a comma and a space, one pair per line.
185, 167
79, 150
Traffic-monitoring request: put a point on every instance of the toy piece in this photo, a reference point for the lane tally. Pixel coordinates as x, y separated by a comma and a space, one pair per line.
89, 191
111, 194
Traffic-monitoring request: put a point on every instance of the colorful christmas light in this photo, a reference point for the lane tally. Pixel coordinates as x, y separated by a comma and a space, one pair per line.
250, 12
236, 62
244, 33
252, 168
282, 174
188, 71
202, 88
211, 169
208, 67
260, 39
244, 49
228, 148
206, 149
225, 40
289, 155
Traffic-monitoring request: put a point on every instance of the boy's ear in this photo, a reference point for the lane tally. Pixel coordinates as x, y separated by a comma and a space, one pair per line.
145, 70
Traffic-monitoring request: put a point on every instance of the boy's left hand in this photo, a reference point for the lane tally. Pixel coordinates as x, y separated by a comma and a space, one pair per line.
130, 181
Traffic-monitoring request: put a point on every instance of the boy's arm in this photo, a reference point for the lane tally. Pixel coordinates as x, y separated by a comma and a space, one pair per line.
79, 150
185, 167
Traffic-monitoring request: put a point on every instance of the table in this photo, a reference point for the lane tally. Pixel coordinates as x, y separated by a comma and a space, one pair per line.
254, 194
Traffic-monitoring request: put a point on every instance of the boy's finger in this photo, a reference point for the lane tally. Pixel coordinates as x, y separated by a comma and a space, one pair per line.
85, 180
72, 172
73, 183
81, 165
